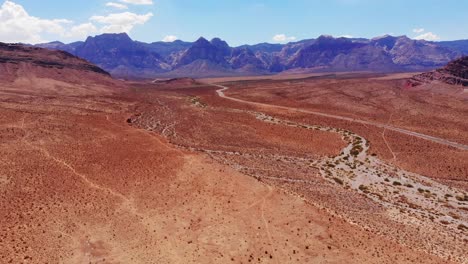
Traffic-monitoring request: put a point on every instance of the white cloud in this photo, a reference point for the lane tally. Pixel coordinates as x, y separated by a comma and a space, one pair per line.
418, 30
121, 22
138, 2
282, 38
169, 38
116, 5
82, 31
428, 36
16, 25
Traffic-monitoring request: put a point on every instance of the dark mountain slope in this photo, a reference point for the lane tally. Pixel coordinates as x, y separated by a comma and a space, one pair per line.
123, 57
455, 73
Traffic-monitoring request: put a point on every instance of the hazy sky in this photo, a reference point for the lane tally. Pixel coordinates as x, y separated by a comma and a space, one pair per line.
236, 21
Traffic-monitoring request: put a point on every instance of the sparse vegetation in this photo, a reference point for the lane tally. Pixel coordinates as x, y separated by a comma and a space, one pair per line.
197, 102
364, 188
462, 198
396, 183
338, 180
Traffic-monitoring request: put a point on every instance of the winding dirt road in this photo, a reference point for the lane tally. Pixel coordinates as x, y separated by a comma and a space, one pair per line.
221, 94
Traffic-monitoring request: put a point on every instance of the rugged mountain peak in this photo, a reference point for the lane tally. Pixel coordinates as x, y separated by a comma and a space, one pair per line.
122, 56
324, 37
120, 39
55, 43
201, 42
382, 37
386, 41
214, 52
458, 68
219, 42
222, 46
116, 36
329, 41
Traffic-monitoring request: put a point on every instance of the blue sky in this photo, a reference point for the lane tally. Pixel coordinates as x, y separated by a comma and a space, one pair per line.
236, 21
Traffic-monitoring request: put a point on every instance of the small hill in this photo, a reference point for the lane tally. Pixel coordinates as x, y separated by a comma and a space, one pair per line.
177, 81
455, 73
39, 69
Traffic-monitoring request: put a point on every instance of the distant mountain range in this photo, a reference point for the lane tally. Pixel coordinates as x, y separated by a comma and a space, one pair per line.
126, 58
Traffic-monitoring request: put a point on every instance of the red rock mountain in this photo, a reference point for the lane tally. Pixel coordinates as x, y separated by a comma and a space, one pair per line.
455, 73
44, 70
124, 57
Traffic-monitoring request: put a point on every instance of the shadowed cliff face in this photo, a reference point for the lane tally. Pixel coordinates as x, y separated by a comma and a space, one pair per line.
458, 68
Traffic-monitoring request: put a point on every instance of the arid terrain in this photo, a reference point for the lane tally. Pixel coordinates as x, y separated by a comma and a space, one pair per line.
348, 168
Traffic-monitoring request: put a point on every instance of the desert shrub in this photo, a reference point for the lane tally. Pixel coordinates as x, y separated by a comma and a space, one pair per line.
454, 216
396, 183
427, 195
338, 180
364, 188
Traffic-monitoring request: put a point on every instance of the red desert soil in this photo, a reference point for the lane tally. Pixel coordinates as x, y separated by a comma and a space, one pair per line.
80, 185
143, 173
437, 110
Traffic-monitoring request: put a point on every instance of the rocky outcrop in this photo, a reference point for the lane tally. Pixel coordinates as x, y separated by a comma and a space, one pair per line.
455, 73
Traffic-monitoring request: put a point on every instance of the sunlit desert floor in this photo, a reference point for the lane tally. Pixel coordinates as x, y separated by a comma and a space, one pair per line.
177, 174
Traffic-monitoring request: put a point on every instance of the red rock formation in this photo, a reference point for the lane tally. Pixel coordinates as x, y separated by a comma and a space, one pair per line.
455, 73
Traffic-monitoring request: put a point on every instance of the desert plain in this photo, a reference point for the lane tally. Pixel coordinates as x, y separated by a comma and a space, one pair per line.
331, 168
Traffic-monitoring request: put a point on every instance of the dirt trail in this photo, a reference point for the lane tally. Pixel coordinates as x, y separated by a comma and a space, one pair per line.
385, 139
408, 197
265, 221
442, 141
